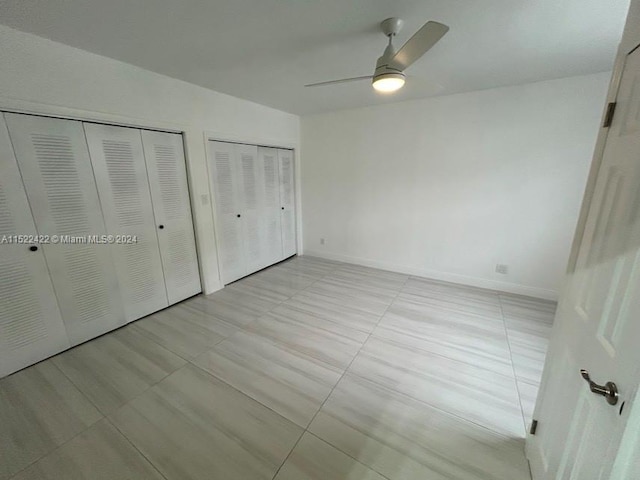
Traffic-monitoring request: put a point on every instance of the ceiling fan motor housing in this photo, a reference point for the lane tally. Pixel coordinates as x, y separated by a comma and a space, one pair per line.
387, 72
385, 66
388, 77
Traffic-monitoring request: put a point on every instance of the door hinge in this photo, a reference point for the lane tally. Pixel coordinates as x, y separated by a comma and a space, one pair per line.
534, 427
608, 118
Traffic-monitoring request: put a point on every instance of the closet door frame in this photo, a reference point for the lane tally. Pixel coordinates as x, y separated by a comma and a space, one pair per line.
275, 143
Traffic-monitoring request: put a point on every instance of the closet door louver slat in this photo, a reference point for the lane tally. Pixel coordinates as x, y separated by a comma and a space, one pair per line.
287, 198
166, 169
252, 194
121, 177
225, 186
271, 209
255, 207
54, 161
31, 326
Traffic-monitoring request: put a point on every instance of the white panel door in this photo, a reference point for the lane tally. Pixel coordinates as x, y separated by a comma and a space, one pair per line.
54, 161
225, 185
271, 208
597, 326
166, 169
121, 176
252, 198
287, 203
31, 327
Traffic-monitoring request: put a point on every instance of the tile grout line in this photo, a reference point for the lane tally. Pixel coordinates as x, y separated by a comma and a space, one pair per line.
153, 465
151, 385
336, 384
270, 341
506, 329
103, 417
336, 268
515, 376
56, 448
245, 328
106, 416
451, 358
64, 374
87, 427
305, 429
239, 329
440, 409
455, 416
344, 453
241, 393
191, 362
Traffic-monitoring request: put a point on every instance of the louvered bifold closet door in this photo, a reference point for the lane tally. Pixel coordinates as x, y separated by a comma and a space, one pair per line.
251, 180
166, 169
54, 161
225, 184
287, 202
31, 326
271, 208
121, 175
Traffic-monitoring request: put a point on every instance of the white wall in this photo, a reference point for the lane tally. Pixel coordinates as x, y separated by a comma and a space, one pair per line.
41, 76
450, 186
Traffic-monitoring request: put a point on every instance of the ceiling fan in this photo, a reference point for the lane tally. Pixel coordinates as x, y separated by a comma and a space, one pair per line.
389, 73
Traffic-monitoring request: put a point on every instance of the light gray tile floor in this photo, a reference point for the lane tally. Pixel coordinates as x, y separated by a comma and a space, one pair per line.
310, 369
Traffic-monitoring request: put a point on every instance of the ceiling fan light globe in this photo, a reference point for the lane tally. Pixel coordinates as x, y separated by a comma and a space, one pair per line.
388, 82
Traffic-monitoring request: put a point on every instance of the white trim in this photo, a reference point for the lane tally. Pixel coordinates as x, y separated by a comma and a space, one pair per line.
442, 276
212, 202
259, 141
60, 111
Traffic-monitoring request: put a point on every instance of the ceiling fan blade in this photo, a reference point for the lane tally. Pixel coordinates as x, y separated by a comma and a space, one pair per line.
420, 43
343, 80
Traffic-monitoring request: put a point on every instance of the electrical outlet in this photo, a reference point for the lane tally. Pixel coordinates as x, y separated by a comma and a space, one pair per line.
503, 269
322, 241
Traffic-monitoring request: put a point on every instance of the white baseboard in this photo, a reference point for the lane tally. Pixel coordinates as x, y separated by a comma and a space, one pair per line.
442, 276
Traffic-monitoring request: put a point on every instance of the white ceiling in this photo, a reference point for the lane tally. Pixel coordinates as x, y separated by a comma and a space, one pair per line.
266, 50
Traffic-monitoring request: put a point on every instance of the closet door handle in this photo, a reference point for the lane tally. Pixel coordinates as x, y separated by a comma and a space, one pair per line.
160, 227
281, 208
33, 248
